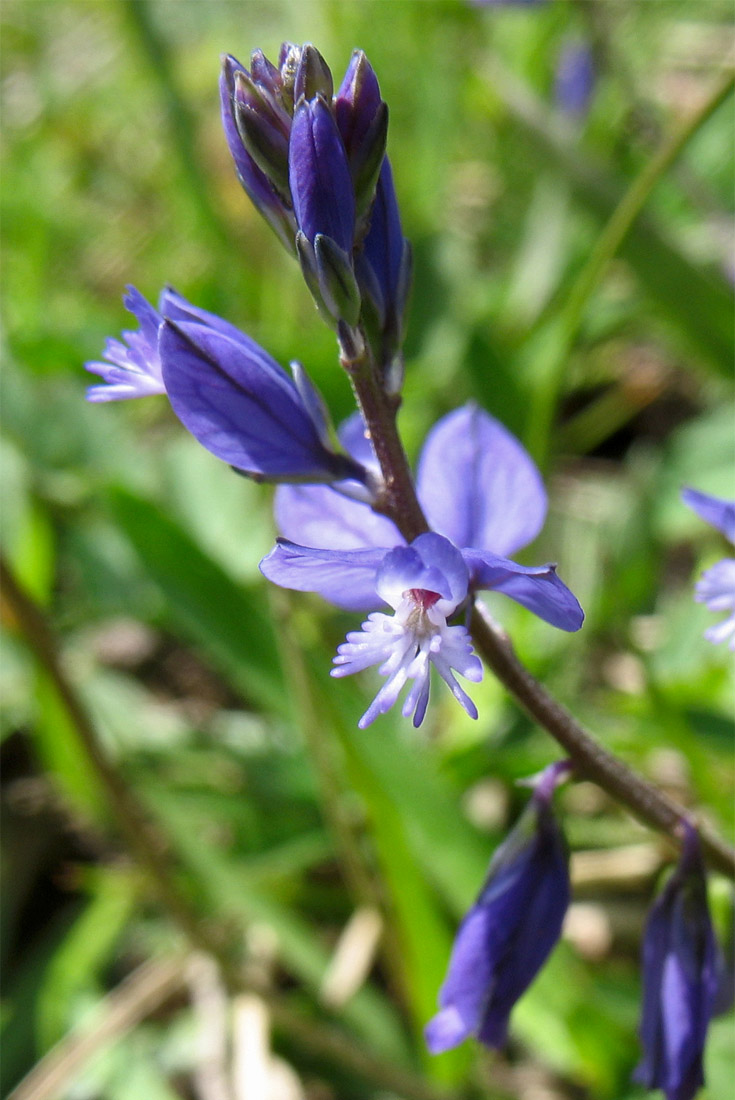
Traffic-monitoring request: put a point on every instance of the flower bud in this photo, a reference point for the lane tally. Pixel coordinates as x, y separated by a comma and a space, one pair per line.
321, 186
383, 270
265, 73
313, 76
362, 118
288, 63
682, 974
510, 930
263, 130
264, 196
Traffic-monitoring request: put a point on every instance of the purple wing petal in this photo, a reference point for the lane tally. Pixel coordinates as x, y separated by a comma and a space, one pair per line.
239, 404
403, 568
468, 982
344, 577
720, 513
174, 307
316, 515
537, 588
477, 484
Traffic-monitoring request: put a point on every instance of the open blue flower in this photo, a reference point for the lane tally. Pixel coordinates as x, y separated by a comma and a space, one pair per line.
682, 976
484, 498
510, 930
716, 588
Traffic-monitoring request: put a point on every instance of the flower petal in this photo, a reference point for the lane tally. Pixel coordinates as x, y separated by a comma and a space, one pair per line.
431, 563
478, 485
344, 577
239, 404
317, 515
538, 588
720, 513
174, 307
132, 367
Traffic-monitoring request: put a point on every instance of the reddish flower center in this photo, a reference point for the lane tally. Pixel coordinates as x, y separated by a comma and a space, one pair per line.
422, 597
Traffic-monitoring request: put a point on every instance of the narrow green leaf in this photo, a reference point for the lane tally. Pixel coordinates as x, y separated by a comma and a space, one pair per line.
76, 966
230, 622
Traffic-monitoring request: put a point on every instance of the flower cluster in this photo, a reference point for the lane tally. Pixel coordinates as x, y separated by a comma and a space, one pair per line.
313, 162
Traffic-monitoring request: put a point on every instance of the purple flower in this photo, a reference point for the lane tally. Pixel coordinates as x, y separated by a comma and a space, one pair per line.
484, 497
682, 973
511, 929
135, 370
716, 588
230, 394
424, 583
575, 79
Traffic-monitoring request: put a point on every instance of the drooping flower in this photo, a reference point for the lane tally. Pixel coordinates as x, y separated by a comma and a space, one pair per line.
230, 394
716, 587
484, 498
682, 973
511, 929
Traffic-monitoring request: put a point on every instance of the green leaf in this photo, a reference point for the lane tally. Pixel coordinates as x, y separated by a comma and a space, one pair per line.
230, 622
227, 887
76, 967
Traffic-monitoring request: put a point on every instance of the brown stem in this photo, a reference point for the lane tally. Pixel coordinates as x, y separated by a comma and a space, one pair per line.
590, 759
397, 495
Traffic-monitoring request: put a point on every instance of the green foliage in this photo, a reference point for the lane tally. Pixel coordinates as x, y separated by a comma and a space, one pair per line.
210, 693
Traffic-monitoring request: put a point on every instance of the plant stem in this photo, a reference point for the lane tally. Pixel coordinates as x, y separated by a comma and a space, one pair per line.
397, 496
589, 757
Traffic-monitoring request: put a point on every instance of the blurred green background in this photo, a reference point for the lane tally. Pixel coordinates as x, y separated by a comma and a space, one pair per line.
287, 829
